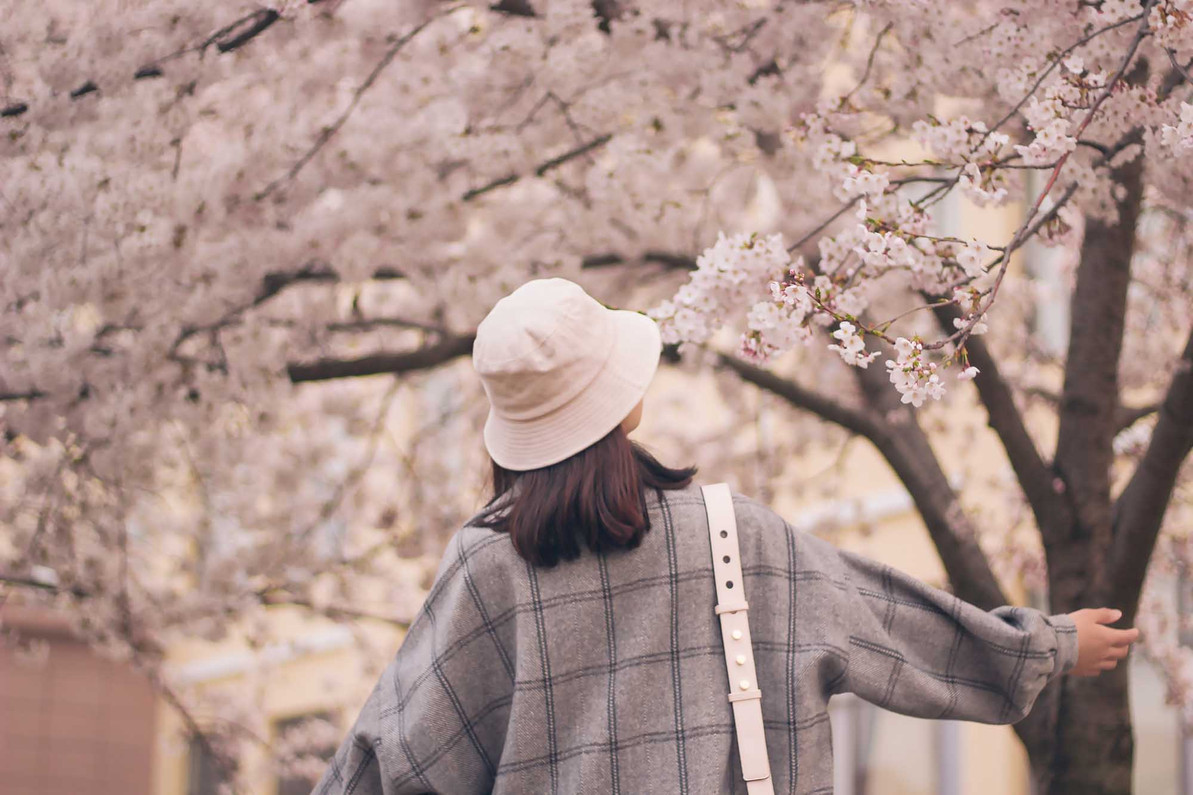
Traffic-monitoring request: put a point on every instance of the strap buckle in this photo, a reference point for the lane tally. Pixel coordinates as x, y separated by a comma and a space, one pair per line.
732, 607
749, 695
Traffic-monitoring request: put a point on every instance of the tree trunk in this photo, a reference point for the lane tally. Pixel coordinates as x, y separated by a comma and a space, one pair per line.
1094, 747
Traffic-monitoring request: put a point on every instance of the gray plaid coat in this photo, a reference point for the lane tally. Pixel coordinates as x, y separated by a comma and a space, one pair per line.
606, 674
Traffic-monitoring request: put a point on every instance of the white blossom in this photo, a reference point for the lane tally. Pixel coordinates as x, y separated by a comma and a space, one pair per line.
970, 259
852, 347
913, 376
1180, 135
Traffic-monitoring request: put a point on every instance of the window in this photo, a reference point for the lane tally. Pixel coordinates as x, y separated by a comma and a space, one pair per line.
949, 751
872, 748
307, 737
853, 726
1047, 267
203, 774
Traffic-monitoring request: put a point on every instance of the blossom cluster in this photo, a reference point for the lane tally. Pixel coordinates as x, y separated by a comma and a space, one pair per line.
1180, 136
970, 143
734, 272
852, 347
913, 375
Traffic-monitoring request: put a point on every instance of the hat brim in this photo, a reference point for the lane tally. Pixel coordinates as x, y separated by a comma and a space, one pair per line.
521, 445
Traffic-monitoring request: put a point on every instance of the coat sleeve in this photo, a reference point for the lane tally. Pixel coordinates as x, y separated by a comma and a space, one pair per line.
435, 720
921, 651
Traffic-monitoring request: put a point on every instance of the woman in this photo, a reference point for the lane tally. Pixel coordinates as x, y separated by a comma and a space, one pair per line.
569, 642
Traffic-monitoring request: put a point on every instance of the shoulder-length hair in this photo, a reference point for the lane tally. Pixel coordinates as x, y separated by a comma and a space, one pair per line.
595, 498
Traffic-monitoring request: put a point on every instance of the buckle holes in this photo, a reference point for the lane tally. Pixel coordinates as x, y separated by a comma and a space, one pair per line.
724, 534
725, 559
728, 583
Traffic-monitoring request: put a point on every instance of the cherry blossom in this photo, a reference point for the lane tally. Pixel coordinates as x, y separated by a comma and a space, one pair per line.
852, 347
209, 208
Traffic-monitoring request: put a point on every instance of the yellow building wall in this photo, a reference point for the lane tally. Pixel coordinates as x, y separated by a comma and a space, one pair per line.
314, 681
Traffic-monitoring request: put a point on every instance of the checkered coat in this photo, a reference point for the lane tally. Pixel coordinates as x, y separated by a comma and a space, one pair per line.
606, 674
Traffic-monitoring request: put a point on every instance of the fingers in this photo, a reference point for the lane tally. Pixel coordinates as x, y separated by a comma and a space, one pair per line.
1102, 646
1107, 615
1124, 637
1117, 652
1110, 661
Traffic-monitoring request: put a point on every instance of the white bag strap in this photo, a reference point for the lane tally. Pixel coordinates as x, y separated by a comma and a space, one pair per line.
744, 694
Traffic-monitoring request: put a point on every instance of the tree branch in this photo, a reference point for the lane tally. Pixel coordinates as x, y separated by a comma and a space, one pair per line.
849, 418
1182, 71
434, 355
229, 38
1090, 397
1035, 477
275, 598
18, 581
516, 8
1139, 510
906, 448
274, 282
665, 258
1126, 416
904, 445
227, 766
541, 169
29, 394
1059, 57
257, 23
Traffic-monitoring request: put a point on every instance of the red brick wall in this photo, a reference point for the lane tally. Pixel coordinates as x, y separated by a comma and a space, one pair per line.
76, 724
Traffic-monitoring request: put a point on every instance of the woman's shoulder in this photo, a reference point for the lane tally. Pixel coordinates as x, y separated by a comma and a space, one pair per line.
747, 510
763, 522
477, 543
474, 551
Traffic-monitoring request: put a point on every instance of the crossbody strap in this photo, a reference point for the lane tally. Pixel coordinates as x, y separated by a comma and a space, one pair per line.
744, 694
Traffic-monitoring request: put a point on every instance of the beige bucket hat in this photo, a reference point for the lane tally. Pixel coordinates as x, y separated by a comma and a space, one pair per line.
560, 370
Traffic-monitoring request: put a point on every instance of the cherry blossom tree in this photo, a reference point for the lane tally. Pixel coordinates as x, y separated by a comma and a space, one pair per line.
218, 218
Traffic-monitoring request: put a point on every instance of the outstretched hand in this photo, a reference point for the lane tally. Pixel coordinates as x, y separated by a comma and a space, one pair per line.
1100, 647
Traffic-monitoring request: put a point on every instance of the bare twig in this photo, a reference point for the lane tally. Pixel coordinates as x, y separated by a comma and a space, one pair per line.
330, 131
328, 509
840, 211
1183, 71
1060, 57
227, 767
278, 597
541, 169
869, 62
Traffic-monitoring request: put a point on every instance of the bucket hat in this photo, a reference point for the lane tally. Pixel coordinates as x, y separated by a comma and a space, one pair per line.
560, 370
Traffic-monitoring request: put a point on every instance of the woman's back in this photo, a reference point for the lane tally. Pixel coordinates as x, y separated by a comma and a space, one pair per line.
607, 673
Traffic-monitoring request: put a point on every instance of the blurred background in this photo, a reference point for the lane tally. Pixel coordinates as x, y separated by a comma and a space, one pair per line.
243, 250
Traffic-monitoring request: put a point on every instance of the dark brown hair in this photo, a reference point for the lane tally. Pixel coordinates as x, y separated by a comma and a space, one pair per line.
595, 498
